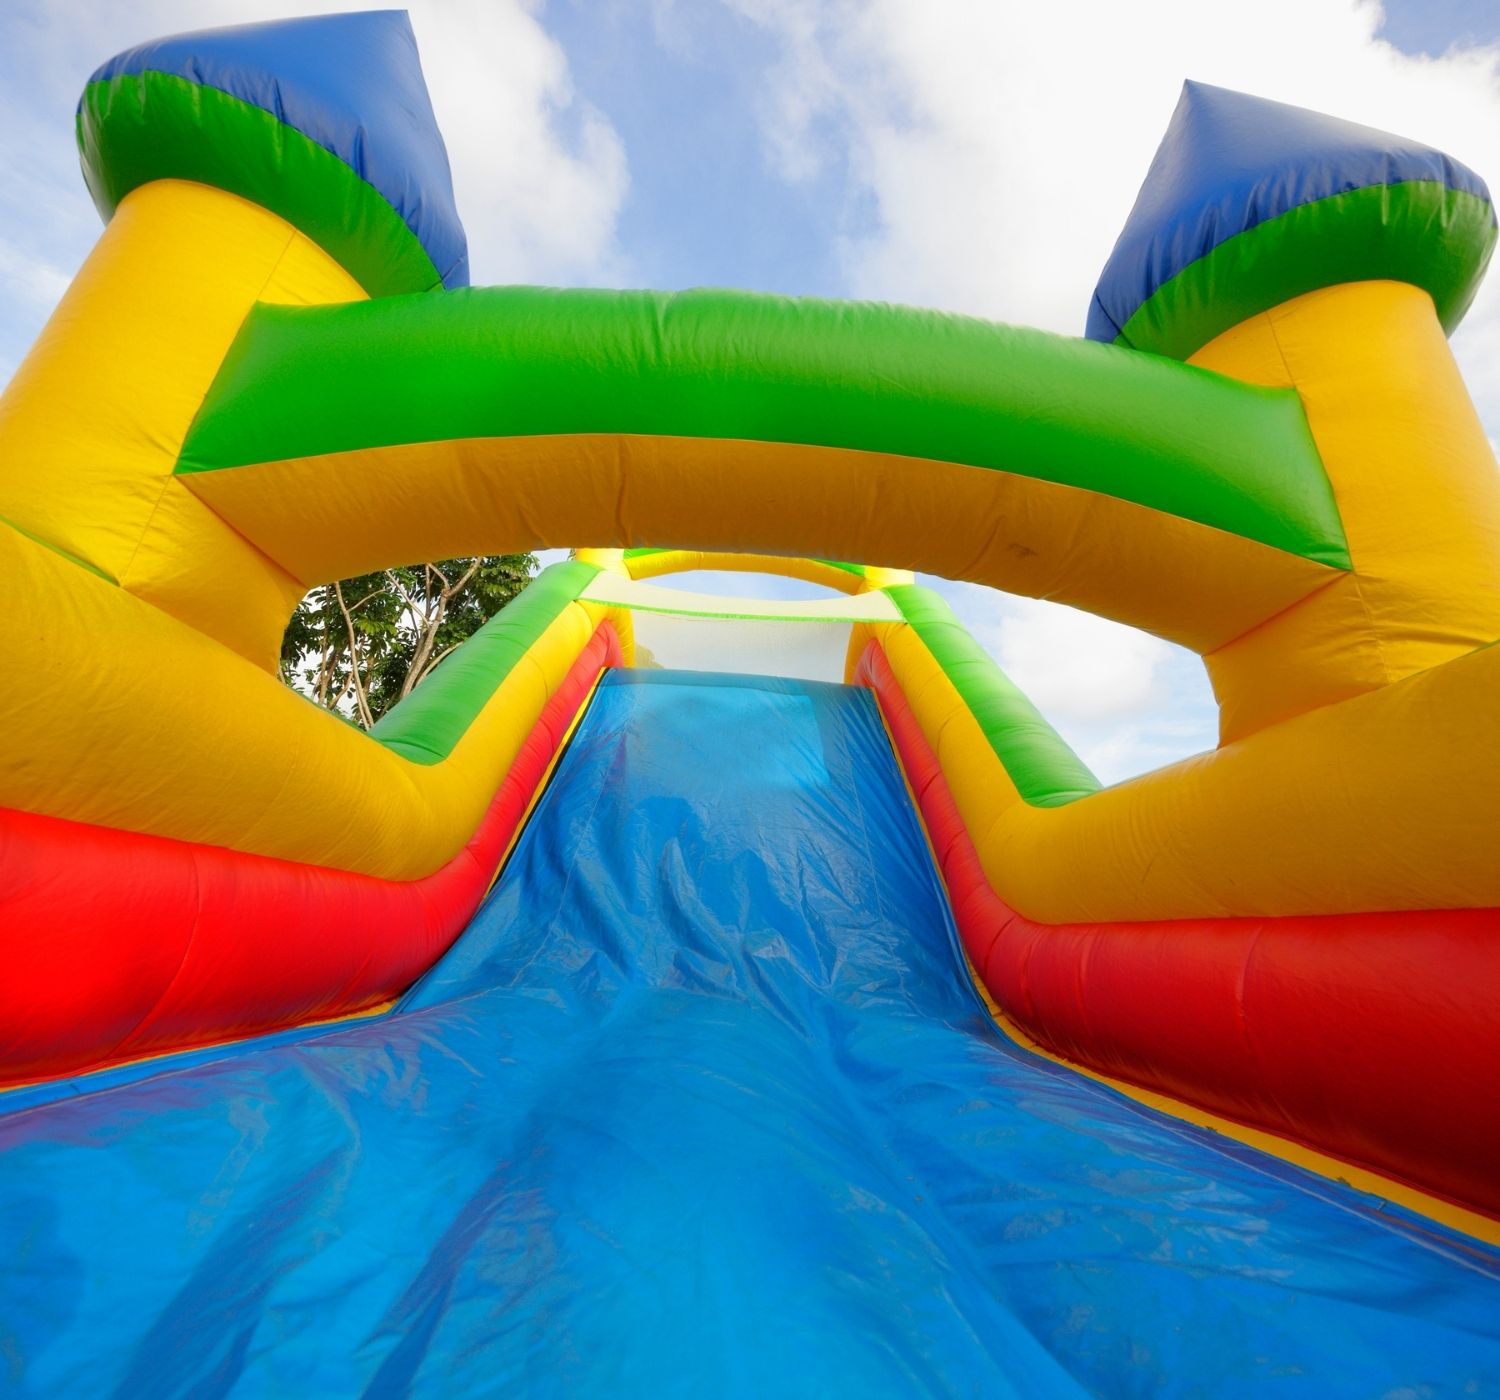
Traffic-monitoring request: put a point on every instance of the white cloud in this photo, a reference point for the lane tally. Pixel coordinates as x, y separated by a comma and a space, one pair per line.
540, 174
30, 283
27, 278
1126, 701
1071, 664
1004, 144
1000, 148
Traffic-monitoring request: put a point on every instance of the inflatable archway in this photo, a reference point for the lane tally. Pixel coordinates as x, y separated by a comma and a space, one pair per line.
270, 374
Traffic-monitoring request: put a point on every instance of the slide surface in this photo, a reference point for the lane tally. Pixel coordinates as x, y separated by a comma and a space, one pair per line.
702, 1103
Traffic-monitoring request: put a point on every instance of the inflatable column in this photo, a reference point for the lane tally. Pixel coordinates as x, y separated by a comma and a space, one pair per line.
293, 164
1291, 249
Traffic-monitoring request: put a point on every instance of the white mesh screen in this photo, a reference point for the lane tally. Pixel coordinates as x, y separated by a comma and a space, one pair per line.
812, 651
676, 630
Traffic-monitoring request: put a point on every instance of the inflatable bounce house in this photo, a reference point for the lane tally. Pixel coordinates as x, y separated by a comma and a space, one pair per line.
677, 994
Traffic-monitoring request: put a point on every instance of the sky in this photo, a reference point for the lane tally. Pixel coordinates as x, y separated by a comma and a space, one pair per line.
974, 155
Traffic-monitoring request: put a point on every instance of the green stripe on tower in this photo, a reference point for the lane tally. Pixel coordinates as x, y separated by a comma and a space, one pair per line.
526, 361
155, 126
1420, 232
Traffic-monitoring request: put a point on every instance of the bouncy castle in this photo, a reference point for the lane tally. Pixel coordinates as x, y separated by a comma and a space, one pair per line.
684, 995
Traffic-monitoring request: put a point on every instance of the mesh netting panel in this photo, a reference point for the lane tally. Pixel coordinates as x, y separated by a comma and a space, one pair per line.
813, 651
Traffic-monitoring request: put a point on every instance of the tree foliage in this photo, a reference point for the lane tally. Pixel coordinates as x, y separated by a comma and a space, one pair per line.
358, 646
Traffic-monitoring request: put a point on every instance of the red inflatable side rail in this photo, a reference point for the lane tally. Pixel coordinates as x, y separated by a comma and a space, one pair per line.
1371, 1037
119, 945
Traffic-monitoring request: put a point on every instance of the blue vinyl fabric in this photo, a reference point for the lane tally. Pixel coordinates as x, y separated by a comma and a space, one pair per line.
1229, 162
702, 1104
351, 83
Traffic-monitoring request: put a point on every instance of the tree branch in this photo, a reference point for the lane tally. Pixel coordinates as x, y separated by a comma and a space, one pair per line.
431, 666
463, 581
425, 643
361, 700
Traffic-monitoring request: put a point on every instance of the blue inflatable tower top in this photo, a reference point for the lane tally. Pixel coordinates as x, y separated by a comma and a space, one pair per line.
1249, 203
325, 121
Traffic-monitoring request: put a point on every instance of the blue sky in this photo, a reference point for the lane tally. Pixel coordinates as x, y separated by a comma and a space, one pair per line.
969, 154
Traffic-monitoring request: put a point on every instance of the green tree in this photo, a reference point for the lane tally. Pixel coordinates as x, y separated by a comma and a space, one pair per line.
358, 646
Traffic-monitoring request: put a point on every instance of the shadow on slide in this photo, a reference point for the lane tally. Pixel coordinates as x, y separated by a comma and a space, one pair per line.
704, 1103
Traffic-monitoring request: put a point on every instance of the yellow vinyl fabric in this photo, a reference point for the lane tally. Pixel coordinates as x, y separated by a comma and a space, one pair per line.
621, 619
92, 423
1416, 485
1297, 819
363, 509
660, 563
1382, 802
129, 718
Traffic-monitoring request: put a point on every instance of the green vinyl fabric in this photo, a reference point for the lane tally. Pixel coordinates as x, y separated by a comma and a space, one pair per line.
526, 361
1046, 772
426, 725
155, 126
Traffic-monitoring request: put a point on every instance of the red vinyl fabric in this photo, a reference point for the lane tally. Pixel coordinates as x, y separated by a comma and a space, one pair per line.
1371, 1037
127, 945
